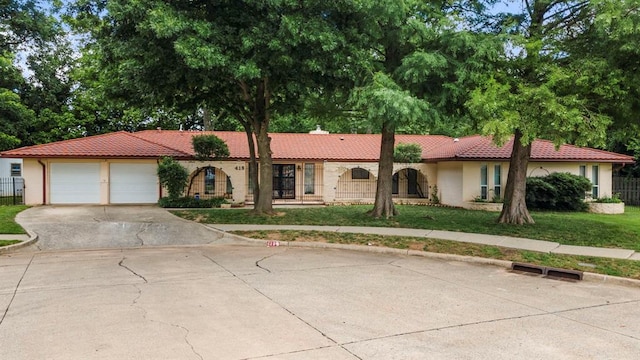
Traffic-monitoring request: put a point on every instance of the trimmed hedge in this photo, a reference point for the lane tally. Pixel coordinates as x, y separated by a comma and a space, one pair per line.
557, 191
190, 202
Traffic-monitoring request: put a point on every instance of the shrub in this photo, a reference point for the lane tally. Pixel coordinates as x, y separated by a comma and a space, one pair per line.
557, 191
407, 153
540, 194
615, 199
190, 202
435, 198
173, 176
209, 147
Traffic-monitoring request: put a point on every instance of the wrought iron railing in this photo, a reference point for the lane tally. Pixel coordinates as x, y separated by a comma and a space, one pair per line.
11, 191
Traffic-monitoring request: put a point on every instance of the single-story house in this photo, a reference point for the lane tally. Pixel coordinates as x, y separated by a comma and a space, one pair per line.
120, 168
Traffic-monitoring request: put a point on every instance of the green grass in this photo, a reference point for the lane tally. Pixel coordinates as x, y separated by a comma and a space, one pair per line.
613, 267
7, 223
8, 242
584, 229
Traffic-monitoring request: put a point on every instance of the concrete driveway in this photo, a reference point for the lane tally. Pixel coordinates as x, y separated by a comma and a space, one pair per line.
254, 302
96, 227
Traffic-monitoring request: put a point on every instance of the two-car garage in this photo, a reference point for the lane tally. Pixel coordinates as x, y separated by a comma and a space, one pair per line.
103, 183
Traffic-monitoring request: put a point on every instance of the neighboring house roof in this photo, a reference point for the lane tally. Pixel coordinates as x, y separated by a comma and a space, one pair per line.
289, 146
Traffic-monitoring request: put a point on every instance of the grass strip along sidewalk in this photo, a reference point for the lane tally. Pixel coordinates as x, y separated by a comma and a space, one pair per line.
7, 219
613, 267
8, 224
581, 229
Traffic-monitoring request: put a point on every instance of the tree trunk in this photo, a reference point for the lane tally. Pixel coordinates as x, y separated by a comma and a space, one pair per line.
383, 206
264, 205
514, 209
207, 123
253, 163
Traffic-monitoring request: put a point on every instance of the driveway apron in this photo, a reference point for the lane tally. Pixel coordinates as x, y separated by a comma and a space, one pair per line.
96, 227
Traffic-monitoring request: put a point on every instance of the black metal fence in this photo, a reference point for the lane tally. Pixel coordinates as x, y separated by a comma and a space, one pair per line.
11, 191
628, 189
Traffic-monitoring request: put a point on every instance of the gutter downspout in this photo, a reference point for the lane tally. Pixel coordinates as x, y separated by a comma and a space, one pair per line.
44, 182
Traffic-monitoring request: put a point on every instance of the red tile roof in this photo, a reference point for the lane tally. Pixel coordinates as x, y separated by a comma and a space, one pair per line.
287, 146
113, 145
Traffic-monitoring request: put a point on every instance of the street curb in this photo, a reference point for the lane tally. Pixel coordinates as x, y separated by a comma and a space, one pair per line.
608, 279
228, 238
33, 238
238, 239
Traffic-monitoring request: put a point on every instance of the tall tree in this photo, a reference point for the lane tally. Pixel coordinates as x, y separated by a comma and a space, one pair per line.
24, 28
533, 95
247, 58
423, 61
609, 48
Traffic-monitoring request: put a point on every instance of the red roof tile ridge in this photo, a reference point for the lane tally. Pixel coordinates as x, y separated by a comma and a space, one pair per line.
604, 152
157, 143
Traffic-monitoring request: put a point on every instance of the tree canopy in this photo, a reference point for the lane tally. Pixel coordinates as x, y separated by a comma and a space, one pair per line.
562, 70
246, 58
544, 87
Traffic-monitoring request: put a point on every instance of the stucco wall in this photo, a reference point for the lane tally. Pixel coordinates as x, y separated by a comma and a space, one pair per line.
333, 171
32, 173
450, 182
606, 169
457, 182
235, 170
470, 176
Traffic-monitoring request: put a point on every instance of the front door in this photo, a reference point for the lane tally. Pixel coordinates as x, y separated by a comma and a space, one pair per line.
284, 181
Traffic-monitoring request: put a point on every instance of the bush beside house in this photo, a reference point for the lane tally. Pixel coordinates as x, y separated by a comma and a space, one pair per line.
557, 191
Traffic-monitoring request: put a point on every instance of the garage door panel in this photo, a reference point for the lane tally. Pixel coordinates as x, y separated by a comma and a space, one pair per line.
133, 183
75, 183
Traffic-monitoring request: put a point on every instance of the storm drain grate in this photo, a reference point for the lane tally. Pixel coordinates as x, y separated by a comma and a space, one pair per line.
528, 268
553, 273
564, 274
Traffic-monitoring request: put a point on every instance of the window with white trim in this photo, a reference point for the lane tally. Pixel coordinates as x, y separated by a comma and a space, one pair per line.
16, 169
497, 181
309, 178
595, 181
583, 170
484, 186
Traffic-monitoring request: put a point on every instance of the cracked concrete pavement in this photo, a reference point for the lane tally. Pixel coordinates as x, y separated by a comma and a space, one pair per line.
93, 226
256, 302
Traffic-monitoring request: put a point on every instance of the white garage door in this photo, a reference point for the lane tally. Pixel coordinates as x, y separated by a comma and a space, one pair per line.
133, 183
75, 183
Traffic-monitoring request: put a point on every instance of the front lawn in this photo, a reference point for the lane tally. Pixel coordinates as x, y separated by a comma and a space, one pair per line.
584, 229
7, 223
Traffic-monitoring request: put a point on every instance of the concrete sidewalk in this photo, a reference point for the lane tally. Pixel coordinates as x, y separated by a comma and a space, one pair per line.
495, 240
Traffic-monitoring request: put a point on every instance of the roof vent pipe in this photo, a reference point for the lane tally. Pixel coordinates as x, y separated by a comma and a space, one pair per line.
318, 130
